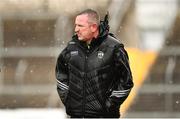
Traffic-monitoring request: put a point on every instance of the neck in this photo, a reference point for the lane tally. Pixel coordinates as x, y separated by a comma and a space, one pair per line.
94, 37
88, 42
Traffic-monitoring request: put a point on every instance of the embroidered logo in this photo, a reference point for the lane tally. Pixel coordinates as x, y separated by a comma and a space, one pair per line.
100, 54
73, 53
72, 43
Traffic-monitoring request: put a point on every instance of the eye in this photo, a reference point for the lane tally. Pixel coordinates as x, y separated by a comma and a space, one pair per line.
78, 25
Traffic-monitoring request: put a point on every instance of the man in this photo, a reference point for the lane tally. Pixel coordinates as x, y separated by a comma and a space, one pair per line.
93, 73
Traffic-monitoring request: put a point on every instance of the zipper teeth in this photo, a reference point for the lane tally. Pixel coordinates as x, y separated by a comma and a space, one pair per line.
84, 96
83, 108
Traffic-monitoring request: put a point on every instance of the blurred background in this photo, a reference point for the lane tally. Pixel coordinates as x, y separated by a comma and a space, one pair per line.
34, 32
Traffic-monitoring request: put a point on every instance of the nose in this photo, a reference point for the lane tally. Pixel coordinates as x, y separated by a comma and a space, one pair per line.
76, 29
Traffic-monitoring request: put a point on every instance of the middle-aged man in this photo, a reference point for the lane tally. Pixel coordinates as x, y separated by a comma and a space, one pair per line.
93, 73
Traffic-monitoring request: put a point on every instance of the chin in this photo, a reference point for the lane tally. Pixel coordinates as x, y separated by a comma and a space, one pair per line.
80, 38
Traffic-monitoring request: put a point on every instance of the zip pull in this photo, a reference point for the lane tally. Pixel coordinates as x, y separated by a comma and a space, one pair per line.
88, 46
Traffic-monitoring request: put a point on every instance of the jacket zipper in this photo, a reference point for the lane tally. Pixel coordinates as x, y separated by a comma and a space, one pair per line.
84, 93
85, 76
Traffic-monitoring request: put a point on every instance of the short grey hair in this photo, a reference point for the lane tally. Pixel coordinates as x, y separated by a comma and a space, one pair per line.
92, 14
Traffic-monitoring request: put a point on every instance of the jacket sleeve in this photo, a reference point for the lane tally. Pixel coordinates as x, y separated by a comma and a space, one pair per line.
122, 81
62, 76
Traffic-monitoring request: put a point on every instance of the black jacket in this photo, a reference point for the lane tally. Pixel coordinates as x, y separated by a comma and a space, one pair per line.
93, 81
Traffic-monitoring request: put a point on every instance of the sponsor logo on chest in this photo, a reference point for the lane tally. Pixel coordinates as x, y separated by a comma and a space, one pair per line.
100, 54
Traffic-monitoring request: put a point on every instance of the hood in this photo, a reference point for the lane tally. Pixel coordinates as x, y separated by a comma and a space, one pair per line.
104, 26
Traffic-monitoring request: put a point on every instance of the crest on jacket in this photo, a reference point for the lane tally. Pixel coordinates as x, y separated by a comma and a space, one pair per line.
100, 54
74, 53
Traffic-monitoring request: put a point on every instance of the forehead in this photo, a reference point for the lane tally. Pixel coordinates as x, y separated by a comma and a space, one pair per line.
82, 18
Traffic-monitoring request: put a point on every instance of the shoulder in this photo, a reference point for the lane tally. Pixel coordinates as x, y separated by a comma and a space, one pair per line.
67, 48
73, 40
117, 45
112, 41
71, 45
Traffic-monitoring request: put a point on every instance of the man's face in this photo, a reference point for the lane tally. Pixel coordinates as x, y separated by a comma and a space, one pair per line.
83, 28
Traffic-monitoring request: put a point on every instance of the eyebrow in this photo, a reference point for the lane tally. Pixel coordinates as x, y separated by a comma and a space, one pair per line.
78, 25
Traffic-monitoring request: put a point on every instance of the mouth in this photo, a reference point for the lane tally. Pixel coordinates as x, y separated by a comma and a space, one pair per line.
78, 34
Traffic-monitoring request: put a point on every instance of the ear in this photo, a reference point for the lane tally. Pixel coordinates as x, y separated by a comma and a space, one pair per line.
94, 27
